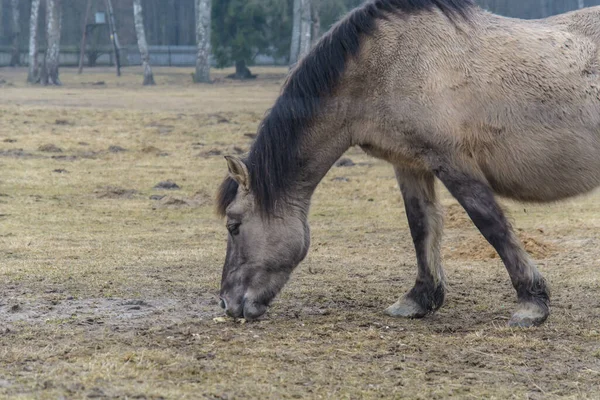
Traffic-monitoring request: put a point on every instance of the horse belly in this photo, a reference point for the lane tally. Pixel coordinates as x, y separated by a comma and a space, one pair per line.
545, 170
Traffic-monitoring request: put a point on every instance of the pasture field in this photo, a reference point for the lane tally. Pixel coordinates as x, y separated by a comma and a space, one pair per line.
109, 290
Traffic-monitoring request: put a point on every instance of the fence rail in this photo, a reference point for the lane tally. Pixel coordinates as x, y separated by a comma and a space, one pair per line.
177, 56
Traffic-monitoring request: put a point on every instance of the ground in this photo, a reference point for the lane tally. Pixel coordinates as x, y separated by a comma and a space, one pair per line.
109, 290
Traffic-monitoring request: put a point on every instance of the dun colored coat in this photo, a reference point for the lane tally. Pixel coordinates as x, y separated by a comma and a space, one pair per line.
439, 89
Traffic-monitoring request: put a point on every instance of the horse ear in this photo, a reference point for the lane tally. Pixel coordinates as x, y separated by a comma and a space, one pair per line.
238, 171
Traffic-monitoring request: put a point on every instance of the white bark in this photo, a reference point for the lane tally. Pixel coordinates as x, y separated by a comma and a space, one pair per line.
306, 32
296, 31
138, 19
203, 20
15, 59
33, 75
53, 26
301, 31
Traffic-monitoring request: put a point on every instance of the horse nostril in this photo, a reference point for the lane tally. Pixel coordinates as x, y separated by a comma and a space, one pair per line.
223, 304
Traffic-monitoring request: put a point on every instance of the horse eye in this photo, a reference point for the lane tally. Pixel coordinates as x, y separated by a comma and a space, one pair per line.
234, 228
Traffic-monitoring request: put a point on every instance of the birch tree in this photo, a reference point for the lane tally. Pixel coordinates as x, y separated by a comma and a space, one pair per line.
15, 58
203, 20
301, 30
296, 32
306, 30
138, 19
49, 73
33, 75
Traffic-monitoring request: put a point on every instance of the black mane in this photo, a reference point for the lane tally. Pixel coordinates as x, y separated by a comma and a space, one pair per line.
274, 159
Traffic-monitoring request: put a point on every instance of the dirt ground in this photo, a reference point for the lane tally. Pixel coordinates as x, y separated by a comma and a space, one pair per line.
111, 255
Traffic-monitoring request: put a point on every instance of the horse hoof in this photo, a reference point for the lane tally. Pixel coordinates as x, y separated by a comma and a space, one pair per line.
529, 315
406, 308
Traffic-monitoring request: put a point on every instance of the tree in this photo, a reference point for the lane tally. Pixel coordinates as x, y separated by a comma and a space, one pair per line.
242, 29
84, 31
33, 75
301, 31
113, 35
306, 30
203, 28
138, 19
15, 58
296, 33
49, 74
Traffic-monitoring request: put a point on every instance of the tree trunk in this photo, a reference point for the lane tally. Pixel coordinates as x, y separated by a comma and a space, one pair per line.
33, 75
49, 74
114, 38
15, 58
138, 19
241, 71
306, 32
296, 31
580, 4
316, 20
84, 36
301, 31
203, 20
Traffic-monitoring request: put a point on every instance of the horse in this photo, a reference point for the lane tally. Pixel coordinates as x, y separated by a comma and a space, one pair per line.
442, 90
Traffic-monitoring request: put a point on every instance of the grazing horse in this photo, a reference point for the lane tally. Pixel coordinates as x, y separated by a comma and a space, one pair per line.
439, 89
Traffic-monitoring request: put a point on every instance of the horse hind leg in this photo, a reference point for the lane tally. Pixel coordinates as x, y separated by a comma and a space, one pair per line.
425, 221
477, 198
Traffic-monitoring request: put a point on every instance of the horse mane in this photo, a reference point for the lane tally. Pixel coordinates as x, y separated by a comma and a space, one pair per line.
274, 159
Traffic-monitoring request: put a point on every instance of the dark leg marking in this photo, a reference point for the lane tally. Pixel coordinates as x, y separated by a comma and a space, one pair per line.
478, 201
425, 222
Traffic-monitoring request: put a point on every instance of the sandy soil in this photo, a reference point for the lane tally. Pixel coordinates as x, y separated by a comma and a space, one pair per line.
109, 279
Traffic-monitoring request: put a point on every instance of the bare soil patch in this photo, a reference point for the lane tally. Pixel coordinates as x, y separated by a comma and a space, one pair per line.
477, 248
114, 192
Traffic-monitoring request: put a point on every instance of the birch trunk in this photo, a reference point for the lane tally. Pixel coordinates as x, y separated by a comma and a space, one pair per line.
51, 60
296, 31
301, 31
15, 58
306, 30
203, 20
33, 75
138, 19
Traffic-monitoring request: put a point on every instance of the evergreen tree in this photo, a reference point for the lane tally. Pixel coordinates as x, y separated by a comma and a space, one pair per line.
242, 29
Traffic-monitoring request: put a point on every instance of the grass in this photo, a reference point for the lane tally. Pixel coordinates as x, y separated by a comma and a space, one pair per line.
107, 293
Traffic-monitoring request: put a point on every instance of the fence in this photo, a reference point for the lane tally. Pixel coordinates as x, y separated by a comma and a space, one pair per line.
176, 56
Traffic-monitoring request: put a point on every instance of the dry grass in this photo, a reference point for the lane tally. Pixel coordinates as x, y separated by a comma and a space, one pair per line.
107, 293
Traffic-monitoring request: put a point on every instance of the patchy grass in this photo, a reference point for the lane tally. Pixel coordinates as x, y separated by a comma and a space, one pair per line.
108, 285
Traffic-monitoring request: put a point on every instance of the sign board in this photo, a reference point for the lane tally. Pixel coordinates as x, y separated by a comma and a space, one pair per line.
100, 18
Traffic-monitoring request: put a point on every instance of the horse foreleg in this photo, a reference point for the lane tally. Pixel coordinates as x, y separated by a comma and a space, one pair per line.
478, 201
426, 223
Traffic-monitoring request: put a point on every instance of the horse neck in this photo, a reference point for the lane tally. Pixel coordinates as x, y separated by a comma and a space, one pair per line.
327, 139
